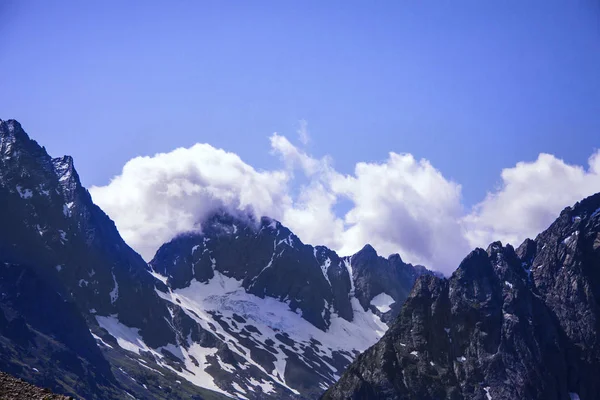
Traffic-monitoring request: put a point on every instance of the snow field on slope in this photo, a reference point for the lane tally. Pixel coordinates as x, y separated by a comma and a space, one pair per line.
270, 316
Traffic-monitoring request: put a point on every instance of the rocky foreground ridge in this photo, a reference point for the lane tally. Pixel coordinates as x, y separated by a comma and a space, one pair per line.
16, 389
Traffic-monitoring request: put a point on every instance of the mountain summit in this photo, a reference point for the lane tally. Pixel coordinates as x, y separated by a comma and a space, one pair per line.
295, 313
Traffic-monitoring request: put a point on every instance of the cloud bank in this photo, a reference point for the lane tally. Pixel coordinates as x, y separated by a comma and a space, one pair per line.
400, 205
530, 198
155, 198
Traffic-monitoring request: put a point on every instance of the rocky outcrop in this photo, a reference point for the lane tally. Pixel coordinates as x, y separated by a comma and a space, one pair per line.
15, 389
507, 324
374, 275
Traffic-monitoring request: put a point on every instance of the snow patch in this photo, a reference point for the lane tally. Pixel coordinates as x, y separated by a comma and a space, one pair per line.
348, 263
98, 338
325, 268
67, 209
570, 238
266, 387
226, 296
127, 338
114, 294
487, 393
224, 366
238, 388
382, 302
158, 276
575, 396
24, 193
461, 359
130, 340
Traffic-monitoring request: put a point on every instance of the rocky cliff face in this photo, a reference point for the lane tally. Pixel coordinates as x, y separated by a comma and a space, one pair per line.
51, 223
508, 324
64, 269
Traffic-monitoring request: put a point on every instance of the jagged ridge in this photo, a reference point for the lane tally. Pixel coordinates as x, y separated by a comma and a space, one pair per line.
241, 263
508, 324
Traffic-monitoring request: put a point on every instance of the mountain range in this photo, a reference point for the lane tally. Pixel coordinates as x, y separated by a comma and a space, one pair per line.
241, 308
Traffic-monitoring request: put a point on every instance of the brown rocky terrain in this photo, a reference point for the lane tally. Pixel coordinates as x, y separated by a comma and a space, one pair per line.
16, 389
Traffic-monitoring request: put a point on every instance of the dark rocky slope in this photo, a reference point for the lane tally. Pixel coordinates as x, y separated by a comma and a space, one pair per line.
50, 223
508, 324
62, 265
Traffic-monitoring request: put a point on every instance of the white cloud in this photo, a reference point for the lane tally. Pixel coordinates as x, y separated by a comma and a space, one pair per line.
292, 156
303, 132
312, 217
530, 198
157, 197
401, 205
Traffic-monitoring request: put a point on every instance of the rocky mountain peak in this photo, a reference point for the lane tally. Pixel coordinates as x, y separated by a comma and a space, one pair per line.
12, 129
367, 251
395, 258
526, 251
262, 261
507, 324
65, 171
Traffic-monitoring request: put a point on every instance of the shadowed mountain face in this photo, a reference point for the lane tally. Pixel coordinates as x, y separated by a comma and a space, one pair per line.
51, 223
508, 324
64, 267
243, 308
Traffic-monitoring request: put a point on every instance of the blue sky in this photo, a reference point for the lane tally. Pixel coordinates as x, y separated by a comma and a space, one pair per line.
474, 87
471, 86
